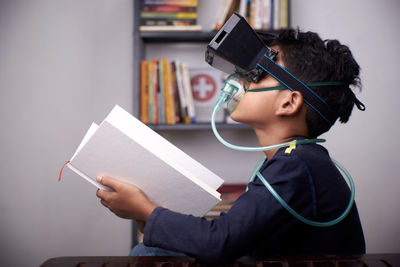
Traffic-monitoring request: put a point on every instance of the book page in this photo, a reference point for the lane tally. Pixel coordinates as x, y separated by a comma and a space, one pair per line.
87, 136
112, 153
148, 138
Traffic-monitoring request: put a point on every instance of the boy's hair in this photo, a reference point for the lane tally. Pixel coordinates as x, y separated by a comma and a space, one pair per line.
311, 59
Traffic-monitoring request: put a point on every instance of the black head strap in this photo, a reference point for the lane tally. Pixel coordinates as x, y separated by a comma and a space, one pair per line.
292, 83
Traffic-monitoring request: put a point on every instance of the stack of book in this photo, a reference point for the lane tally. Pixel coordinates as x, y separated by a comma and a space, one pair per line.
165, 92
172, 93
261, 14
169, 15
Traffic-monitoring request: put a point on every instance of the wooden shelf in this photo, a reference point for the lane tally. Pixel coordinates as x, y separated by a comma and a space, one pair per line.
174, 37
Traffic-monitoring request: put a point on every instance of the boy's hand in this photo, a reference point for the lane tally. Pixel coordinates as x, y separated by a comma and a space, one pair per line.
127, 201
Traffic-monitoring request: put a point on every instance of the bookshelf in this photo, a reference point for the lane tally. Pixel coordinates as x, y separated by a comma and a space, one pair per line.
140, 40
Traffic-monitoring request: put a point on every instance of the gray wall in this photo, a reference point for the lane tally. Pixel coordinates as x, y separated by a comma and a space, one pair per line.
64, 64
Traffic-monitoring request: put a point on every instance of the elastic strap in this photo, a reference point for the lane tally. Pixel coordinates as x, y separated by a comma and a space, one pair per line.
292, 83
281, 87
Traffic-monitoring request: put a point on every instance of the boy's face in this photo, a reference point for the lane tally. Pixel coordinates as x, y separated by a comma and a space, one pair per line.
258, 108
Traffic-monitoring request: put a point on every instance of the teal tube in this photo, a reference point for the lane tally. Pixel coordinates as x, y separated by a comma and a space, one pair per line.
218, 106
297, 215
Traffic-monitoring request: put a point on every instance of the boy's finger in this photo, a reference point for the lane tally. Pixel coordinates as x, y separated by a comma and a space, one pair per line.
104, 203
104, 195
101, 193
107, 181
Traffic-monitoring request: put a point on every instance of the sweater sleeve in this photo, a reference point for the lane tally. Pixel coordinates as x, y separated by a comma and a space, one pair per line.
255, 217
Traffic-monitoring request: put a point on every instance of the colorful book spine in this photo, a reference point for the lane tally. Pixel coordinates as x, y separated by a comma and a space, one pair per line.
177, 103
155, 91
180, 15
168, 8
260, 14
187, 3
151, 92
161, 93
144, 91
169, 106
181, 91
166, 95
168, 13
188, 93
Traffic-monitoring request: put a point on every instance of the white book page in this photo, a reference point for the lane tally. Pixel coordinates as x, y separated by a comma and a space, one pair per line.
87, 178
93, 128
112, 153
142, 134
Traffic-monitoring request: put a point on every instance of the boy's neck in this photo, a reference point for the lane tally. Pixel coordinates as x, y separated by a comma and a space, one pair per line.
268, 138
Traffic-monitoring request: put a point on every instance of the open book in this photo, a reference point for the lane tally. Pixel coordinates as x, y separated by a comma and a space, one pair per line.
123, 147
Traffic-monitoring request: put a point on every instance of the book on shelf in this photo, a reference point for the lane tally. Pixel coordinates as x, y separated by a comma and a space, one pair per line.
154, 91
184, 114
174, 90
225, 11
123, 147
261, 14
206, 86
161, 100
170, 117
144, 91
166, 93
188, 92
171, 28
169, 15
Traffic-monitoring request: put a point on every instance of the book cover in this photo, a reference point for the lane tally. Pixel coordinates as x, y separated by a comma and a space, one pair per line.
144, 91
161, 94
181, 92
155, 91
188, 92
177, 104
167, 13
168, 8
151, 91
145, 23
206, 86
125, 148
223, 14
258, 14
266, 14
159, 15
243, 8
277, 14
169, 97
284, 23
186, 3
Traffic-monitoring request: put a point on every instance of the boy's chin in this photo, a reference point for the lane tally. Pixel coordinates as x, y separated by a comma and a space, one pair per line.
234, 117
237, 119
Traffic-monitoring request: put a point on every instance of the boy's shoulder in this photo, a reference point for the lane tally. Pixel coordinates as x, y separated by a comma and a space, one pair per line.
297, 161
305, 152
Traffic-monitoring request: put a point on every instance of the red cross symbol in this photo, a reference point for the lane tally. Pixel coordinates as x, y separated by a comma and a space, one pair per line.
204, 87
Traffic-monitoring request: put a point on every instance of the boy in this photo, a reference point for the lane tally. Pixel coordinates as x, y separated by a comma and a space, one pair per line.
304, 176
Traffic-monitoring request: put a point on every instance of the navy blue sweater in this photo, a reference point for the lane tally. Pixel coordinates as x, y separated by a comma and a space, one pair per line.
258, 226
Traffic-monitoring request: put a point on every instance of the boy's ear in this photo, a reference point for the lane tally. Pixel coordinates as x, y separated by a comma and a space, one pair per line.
289, 104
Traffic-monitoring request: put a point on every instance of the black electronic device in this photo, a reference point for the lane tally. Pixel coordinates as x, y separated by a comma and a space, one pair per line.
237, 48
